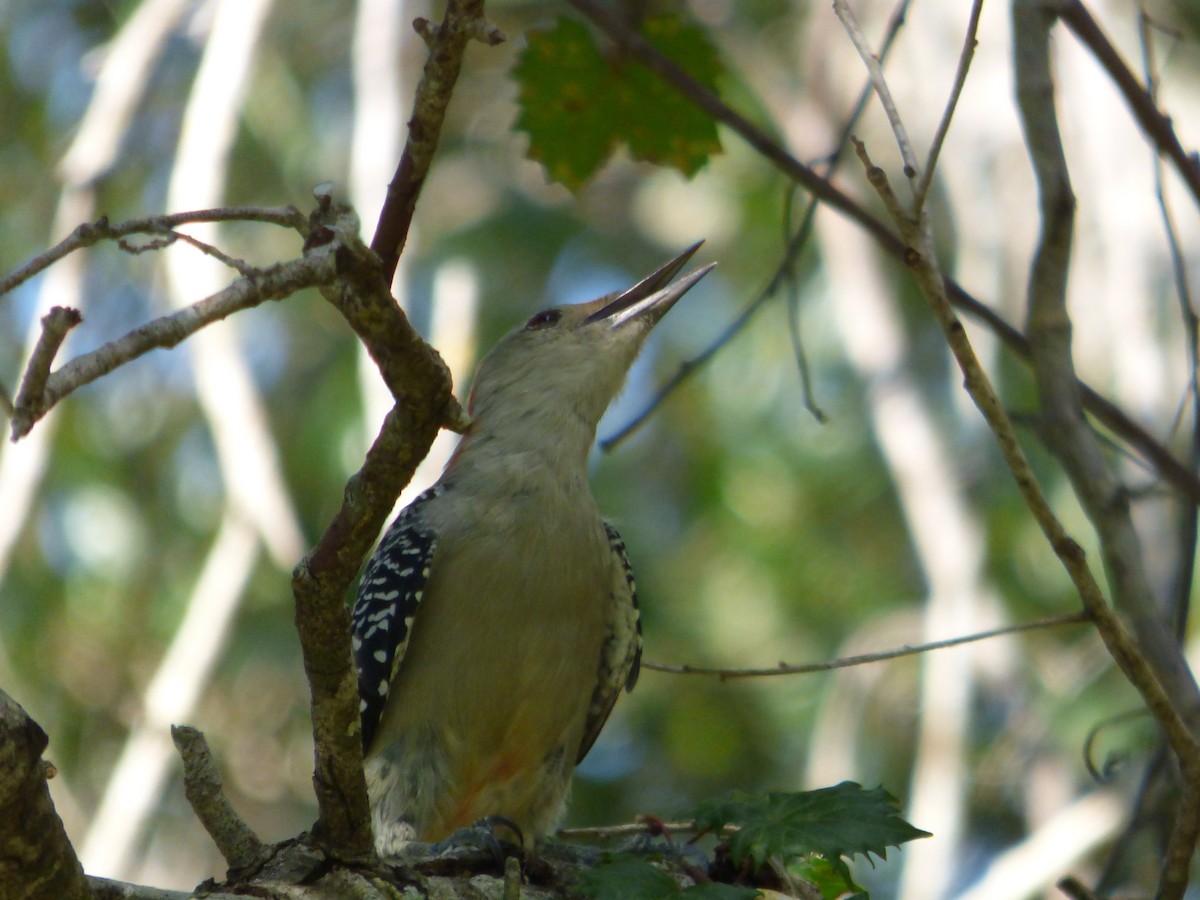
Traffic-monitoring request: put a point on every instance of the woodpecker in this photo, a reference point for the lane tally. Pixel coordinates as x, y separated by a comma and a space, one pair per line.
497, 622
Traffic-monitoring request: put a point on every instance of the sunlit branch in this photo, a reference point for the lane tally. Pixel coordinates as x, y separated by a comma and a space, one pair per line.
273, 283
92, 233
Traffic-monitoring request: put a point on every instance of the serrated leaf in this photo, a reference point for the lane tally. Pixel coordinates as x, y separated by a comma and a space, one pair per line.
662, 127
627, 878
564, 107
579, 104
844, 820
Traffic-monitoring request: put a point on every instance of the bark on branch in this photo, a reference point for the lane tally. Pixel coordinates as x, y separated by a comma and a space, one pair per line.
463, 22
36, 859
421, 384
240, 846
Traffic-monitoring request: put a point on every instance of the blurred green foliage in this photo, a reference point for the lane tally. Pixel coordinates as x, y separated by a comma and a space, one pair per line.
579, 104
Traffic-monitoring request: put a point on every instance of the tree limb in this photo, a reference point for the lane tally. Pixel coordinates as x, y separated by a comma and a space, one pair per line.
36, 858
240, 846
272, 283
1153, 662
91, 233
1156, 124
447, 43
421, 385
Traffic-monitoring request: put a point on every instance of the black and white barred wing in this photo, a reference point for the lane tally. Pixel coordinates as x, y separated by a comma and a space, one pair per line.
621, 654
388, 596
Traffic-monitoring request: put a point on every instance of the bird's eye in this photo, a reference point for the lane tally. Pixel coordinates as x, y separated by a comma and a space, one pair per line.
545, 319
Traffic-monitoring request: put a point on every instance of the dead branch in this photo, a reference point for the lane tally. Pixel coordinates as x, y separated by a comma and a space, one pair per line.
272, 283
239, 846
91, 233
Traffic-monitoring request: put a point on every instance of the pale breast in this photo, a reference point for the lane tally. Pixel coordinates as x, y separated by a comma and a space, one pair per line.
504, 650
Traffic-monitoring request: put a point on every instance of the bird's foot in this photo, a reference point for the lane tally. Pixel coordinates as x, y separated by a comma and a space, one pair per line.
481, 842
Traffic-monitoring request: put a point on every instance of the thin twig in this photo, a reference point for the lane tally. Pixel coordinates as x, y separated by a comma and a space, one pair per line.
871, 60
943, 128
238, 844
1156, 124
867, 658
783, 271
92, 233
1089, 743
1189, 526
629, 829
273, 283
462, 22
238, 265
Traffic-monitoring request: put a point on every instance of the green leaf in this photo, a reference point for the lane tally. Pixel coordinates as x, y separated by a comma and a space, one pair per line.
841, 821
578, 104
832, 879
627, 877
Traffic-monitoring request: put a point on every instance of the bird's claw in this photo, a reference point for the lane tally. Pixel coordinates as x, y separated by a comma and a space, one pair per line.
480, 838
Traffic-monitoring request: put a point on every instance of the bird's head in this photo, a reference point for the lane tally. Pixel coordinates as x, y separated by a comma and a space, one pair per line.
569, 362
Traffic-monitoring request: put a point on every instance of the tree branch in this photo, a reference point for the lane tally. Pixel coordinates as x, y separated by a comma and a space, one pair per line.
462, 22
36, 859
420, 382
56, 325
784, 271
91, 233
1117, 639
867, 658
874, 69
1154, 659
239, 846
1156, 124
273, 283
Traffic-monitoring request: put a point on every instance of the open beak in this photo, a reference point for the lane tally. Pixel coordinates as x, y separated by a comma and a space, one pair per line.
654, 292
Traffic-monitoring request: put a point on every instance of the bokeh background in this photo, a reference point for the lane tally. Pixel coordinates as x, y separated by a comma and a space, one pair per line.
148, 526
